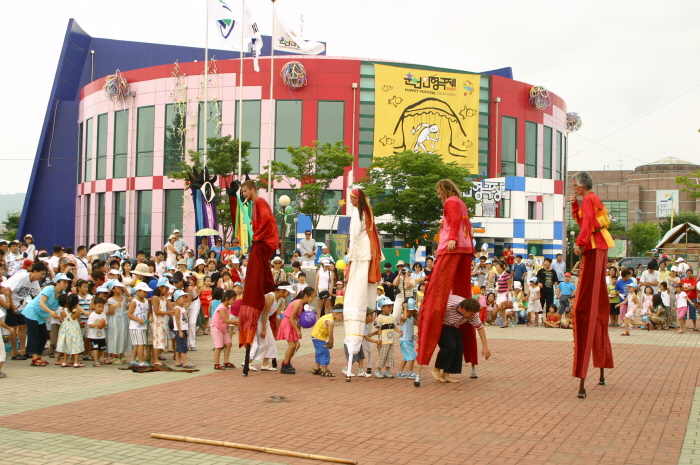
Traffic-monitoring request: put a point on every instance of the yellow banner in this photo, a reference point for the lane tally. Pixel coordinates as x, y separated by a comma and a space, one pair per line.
427, 111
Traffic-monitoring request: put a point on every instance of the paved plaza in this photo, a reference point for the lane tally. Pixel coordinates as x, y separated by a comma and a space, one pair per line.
522, 409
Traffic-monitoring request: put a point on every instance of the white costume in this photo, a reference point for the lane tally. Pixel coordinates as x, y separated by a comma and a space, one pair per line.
267, 347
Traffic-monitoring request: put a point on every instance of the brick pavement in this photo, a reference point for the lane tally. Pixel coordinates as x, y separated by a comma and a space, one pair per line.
522, 409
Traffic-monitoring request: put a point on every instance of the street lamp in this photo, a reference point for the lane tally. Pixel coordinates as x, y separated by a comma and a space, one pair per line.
571, 247
284, 202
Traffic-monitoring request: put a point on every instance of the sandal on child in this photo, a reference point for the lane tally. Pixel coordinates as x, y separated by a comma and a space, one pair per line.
229, 365
78, 365
39, 363
65, 365
327, 374
106, 362
219, 367
626, 333
189, 365
317, 371
179, 365
97, 364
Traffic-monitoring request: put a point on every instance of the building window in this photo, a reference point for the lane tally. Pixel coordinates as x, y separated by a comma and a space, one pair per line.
330, 121
120, 218
87, 221
547, 145
484, 130
173, 211
100, 218
121, 142
101, 160
143, 221
144, 141
618, 211
80, 152
560, 155
366, 149
251, 131
88, 150
174, 144
287, 128
531, 209
530, 149
509, 145
213, 122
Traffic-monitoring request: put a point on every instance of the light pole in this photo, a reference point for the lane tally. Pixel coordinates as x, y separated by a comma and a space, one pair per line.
571, 247
284, 202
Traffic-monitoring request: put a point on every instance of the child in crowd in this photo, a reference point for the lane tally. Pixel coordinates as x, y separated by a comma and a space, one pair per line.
633, 306
220, 322
301, 283
138, 314
84, 290
118, 341
614, 298
666, 301
648, 304
97, 322
421, 293
681, 306
339, 293
161, 319
322, 339
385, 324
180, 326
216, 294
70, 339
566, 320
481, 298
205, 297
407, 341
53, 332
290, 329
534, 305
552, 320
517, 297
490, 306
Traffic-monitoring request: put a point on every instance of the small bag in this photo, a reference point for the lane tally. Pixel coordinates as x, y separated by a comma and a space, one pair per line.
323, 295
507, 304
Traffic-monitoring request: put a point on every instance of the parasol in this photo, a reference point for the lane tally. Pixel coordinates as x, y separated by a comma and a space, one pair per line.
105, 247
207, 232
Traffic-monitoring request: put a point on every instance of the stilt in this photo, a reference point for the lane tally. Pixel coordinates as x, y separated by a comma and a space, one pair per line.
246, 360
602, 377
473, 372
416, 383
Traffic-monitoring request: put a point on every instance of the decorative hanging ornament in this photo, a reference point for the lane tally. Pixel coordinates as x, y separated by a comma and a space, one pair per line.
116, 87
573, 121
294, 75
540, 98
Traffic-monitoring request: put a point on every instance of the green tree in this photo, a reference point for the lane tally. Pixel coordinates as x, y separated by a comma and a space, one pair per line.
680, 218
310, 174
11, 224
691, 187
644, 237
222, 160
403, 185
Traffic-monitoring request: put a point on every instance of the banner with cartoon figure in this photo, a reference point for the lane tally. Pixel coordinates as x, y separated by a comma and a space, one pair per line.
427, 111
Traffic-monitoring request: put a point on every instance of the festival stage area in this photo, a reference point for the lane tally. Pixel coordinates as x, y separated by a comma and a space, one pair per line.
522, 409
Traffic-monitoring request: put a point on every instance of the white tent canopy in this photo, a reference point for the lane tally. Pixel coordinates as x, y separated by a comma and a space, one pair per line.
673, 236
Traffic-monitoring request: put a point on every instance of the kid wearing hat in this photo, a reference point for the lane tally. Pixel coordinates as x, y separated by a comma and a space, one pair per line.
387, 329
180, 325
407, 342
322, 339
138, 313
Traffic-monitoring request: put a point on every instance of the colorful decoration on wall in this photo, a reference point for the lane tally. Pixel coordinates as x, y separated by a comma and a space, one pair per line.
294, 75
573, 121
116, 87
201, 185
540, 98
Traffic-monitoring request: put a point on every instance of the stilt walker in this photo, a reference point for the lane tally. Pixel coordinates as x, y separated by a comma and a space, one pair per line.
455, 252
592, 310
364, 257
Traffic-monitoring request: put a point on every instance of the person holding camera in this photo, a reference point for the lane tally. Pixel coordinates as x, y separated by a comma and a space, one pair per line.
403, 289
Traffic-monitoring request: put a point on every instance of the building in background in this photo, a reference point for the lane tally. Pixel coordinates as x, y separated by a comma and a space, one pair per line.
101, 168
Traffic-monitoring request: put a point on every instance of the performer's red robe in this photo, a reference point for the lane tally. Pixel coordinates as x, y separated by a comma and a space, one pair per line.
258, 277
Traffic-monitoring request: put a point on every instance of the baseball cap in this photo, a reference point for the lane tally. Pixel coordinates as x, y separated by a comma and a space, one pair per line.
113, 271
27, 263
400, 263
142, 287
182, 262
164, 282
199, 262
62, 277
533, 279
28, 236
237, 284
235, 261
412, 303
176, 231
103, 288
179, 293
337, 310
517, 285
567, 274
339, 282
114, 283
679, 259
385, 301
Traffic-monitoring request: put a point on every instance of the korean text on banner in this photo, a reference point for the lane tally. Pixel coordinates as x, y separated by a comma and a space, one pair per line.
286, 39
427, 111
226, 16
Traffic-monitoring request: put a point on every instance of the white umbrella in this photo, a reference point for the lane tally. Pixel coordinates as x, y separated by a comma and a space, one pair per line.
207, 232
105, 247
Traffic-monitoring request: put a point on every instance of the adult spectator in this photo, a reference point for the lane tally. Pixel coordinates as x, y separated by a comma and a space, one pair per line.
689, 286
31, 248
307, 247
519, 271
682, 266
217, 248
387, 280
404, 287
13, 259
203, 249
82, 269
559, 268
278, 273
180, 244
481, 270
547, 280
55, 260
24, 286
170, 251
650, 277
418, 277
429, 262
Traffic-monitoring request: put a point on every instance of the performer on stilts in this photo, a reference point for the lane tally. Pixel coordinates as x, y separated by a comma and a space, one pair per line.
364, 258
592, 310
259, 280
455, 252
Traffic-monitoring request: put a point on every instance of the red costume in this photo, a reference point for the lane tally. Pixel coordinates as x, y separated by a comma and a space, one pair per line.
258, 277
445, 280
592, 310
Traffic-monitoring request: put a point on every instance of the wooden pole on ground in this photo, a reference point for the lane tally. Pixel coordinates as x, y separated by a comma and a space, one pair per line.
266, 450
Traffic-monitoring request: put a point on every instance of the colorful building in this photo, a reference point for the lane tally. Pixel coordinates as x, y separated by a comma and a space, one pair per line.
101, 167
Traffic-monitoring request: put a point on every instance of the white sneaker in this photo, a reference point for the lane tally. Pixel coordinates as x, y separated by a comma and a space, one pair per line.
250, 367
345, 372
363, 374
267, 368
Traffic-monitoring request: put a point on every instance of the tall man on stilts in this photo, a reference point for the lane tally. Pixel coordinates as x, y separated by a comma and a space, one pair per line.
259, 280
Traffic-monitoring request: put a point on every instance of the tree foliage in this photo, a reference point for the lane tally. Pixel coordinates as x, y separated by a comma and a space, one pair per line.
11, 223
644, 236
691, 187
310, 174
680, 218
403, 185
222, 160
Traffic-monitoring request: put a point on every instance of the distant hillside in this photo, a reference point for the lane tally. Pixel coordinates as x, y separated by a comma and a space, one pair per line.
10, 202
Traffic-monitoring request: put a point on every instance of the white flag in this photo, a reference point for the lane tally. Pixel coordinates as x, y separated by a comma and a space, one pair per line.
287, 40
226, 16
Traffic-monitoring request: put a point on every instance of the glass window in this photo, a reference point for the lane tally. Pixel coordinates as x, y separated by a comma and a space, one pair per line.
251, 131
367, 96
174, 200
88, 150
119, 218
100, 218
213, 122
366, 149
143, 221
289, 228
618, 210
144, 141
367, 109
87, 220
530, 149
366, 135
330, 121
121, 143
547, 145
101, 147
560, 156
174, 144
331, 199
509, 138
531, 210
483, 164
364, 162
367, 69
366, 82
80, 152
287, 128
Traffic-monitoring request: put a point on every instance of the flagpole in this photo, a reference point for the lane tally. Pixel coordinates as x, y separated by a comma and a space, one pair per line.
272, 107
240, 95
206, 86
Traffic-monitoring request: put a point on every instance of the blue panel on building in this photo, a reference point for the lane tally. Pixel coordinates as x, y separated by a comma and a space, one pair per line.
558, 230
503, 72
304, 224
344, 225
515, 183
518, 228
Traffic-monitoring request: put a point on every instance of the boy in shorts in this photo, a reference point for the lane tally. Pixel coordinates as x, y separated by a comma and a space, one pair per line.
408, 350
96, 324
